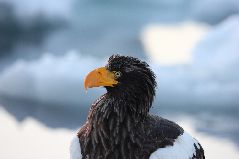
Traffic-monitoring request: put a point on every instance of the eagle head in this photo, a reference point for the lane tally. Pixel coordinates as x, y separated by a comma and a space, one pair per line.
125, 77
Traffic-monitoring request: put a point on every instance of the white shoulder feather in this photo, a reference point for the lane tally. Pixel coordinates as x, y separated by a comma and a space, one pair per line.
75, 151
183, 148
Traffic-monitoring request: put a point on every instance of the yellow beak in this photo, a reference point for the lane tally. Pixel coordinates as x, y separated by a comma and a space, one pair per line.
100, 77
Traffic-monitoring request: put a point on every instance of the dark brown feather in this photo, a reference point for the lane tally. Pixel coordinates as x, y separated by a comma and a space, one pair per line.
119, 125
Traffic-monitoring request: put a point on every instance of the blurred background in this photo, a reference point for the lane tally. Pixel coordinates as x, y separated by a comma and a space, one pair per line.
47, 47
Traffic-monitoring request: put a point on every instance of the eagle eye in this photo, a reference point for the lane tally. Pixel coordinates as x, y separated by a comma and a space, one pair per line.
117, 74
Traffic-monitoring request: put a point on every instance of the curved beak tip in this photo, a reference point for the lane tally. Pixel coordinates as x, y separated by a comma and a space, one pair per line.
86, 84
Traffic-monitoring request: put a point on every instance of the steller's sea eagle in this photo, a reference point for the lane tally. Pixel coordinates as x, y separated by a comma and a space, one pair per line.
119, 125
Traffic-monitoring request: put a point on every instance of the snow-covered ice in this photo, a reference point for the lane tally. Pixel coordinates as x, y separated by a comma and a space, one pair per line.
31, 139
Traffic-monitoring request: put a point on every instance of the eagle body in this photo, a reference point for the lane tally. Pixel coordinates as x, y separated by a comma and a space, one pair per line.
119, 125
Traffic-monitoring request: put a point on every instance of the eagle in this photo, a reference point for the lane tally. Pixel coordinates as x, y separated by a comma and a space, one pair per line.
119, 125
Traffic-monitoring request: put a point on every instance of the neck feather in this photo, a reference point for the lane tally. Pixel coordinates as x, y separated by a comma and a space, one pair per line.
112, 125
